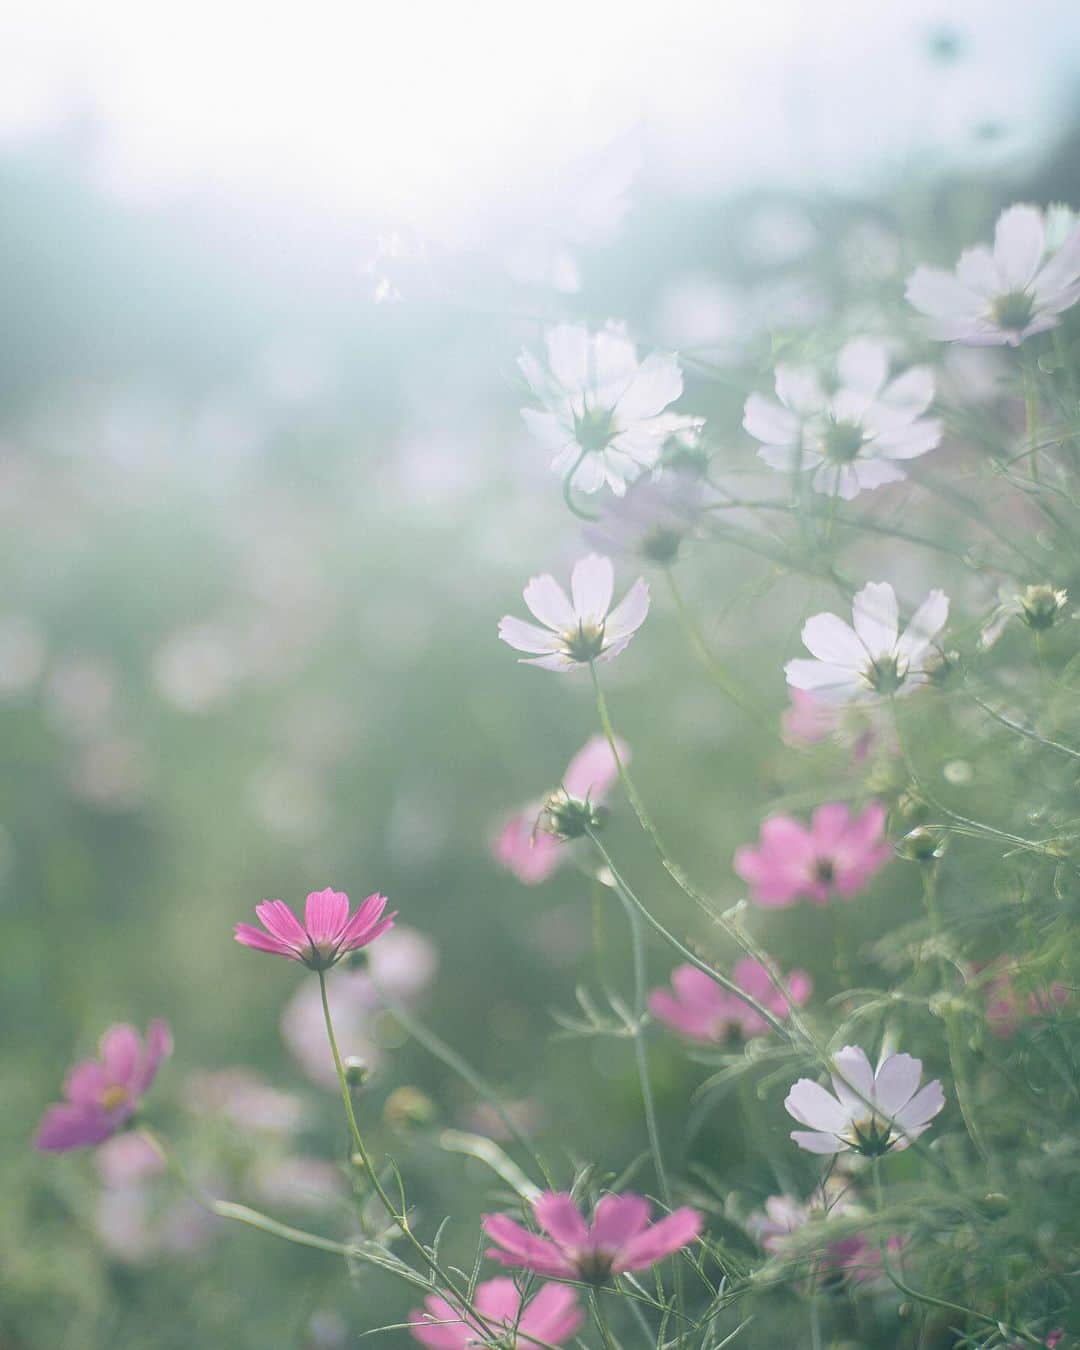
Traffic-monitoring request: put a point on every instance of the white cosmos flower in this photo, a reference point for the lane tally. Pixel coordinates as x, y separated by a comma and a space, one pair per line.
872, 1112
853, 438
1001, 296
603, 413
860, 663
582, 630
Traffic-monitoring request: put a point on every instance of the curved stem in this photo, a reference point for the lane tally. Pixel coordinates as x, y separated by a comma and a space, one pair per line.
568, 491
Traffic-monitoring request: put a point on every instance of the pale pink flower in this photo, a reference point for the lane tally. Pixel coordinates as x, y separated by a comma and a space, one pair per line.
850, 439
104, 1093
603, 410
620, 1238
872, 1111
241, 1096
697, 1007
870, 659
580, 631
533, 852
855, 1256
836, 855
551, 1316
808, 721
1007, 1006
327, 934
1001, 296
128, 1159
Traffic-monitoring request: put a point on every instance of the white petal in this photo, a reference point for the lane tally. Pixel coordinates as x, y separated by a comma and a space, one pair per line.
547, 601
896, 1082
940, 295
913, 391
926, 623
589, 474
852, 1067
591, 584
1061, 271
558, 661
1019, 242
767, 421
568, 348
613, 365
788, 458
909, 442
811, 1105
863, 365
815, 1142
657, 383
830, 639
828, 683
875, 617
978, 272
526, 637
798, 388
628, 616
923, 1107
552, 432
870, 473
539, 379
612, 649
1057, 303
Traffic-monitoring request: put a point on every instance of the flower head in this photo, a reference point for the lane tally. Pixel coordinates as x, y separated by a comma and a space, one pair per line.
872, 1112
852, 438
528, 844
700, 1009
620, 1237
551, 1316
580, 630
1040, 607
1001, 296
104, 1093
872, 659
654, 519
603, 410
836, 855
327, 933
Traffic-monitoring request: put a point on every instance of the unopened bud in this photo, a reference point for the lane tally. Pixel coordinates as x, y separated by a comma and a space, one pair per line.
924, 844
569, 817
357, 1071
408, 1106
1042, 606
995, 1205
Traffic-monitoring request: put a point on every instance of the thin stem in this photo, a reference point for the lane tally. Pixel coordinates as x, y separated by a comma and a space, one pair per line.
1031, 417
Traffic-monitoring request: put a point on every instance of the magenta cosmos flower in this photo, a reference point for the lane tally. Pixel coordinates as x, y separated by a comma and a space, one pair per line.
526, 845
552, 1316
583, 628
104, 1093
620, 1237
327, 932
700, 1009
872, 1112
836, 855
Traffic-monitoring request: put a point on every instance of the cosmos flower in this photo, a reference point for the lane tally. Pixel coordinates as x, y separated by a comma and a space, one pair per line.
603, 410
851, 439
700, 1009
879, 1111
578, 632
526, 845
327, 933
552, 1316
871, 659
652, 521
1001, 296
620, 1238
1040, 607
777, 1226
836, 855
104, 1093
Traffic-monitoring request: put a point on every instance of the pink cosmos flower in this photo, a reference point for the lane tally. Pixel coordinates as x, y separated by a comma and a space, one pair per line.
808, 721
551, 1316
1007, 1007
104, 1093
837, 855
783, 1216
1000, 297
872, 1112
620, 1237
700, 1009
580, 631
531, 852
327, 932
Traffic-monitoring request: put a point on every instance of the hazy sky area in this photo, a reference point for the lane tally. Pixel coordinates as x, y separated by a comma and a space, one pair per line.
424, 112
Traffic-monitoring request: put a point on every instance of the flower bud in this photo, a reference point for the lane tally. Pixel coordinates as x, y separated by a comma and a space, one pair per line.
408, 1106
569, 817
995, 1205
357, 1071
1042, 606
923, 844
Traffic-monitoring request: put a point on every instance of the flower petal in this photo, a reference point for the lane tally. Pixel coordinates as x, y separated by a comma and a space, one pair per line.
281, 923
629, 614
926, 623
810, 1104
830, 639
874, 614
325, 914
863, 365
818, 1142
70, 1126
593, 770
591, 584
657, 383
1019, 244
767, 421
547, 602
895, 1083
527, 637
618, 1218
830, 684
561, 1219
853, 1079
677, 1230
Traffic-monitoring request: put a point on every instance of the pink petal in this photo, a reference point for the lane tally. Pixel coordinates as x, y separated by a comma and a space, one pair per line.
263, 942
552, 1316
453, 1335
280, 922
360, 929
593, 771
661, 1239
561, 1219
159, 1046
85, 1083
498, 1299
325, 914
120, 1050
619, 1218
518, 1247
69, 1126
530, 854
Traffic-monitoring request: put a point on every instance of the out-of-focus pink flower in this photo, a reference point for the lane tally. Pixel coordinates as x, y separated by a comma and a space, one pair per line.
102, 1094
533, 853
401, 964
620, 1238
1000, 297
298, 1182
526, 1113
127, 1159
136, 1227
551, 1316
244, 1098
1007, 1007
855, 1256
859, 1257
580, 631
872, 1112
699, 1008
327, 933
808, 721
836, 855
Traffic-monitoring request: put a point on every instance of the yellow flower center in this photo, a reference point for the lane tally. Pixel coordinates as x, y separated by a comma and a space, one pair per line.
115, 1095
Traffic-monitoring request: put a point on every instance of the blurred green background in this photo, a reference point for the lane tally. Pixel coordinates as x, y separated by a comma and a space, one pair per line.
257, 533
